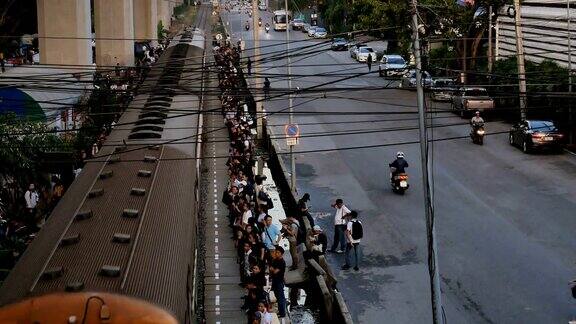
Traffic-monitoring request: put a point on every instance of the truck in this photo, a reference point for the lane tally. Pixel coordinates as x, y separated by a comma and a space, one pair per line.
467, 100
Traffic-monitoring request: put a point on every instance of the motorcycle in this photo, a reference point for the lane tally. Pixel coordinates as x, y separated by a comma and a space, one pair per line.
247, 27
477, 134
399, 182
267, 29
260, 23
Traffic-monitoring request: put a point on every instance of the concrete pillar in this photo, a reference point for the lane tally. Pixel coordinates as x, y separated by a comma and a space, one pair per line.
64, 32
164, 12
114, 25
145, 19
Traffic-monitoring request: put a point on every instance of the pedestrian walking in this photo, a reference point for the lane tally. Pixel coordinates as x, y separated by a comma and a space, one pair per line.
277, 269
339, 226
369, 62
249, 66
266, 88
354, 234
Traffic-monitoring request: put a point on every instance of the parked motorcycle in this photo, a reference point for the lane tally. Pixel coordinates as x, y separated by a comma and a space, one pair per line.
399, 182
477, 134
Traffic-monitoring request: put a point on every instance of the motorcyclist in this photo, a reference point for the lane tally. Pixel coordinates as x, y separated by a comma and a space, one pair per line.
477, 121
247, 25
267, 27
399, 164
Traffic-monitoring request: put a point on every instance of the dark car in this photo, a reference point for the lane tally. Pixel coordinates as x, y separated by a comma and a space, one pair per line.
339, 44
536, 134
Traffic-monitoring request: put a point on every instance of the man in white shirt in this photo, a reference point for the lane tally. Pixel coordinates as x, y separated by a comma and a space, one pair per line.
353, 240
31, 197
339, 226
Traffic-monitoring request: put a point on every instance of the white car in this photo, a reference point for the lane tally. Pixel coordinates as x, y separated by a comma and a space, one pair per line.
262, 7
320, 33
354, 50
312, 31
392, 65
363, 53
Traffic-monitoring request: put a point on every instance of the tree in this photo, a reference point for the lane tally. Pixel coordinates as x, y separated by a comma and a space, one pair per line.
463, 26
21, 143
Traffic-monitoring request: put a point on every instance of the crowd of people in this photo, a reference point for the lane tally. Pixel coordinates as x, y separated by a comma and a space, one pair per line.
260, 257
257, 239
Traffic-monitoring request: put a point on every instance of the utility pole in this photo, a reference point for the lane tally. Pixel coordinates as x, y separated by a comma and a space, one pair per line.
570, 117
490, 56
433, 270
290, 101
520, 58
260, 118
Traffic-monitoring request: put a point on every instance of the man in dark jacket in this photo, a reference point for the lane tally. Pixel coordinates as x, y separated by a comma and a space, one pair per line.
399, 164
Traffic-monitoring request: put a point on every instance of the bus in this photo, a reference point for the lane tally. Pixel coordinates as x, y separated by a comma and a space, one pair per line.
280, 22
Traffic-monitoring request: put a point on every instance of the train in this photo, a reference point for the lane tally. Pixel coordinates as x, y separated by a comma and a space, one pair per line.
121, 245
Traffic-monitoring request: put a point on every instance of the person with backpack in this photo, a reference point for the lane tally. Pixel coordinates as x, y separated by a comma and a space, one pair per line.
291, 230
354, 234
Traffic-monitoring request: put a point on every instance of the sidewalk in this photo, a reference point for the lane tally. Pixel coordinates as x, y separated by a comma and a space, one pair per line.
222, 299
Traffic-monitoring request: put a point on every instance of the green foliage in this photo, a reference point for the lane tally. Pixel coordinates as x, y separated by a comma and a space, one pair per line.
540, 77
21, 143
442, 60
160, 31
392, 19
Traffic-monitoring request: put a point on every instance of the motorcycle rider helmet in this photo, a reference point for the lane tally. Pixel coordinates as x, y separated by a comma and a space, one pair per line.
400, 155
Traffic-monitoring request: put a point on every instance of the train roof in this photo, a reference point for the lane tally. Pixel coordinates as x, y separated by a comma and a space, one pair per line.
127, 224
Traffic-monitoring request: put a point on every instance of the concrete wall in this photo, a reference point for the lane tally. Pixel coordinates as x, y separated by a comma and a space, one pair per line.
145, 19
64, 31
114, 25
165, 12
545, 31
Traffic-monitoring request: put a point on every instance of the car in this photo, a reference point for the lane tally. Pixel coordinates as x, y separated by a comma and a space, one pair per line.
305, 28
320, 33
408, 80
354, 50
443, 89
466, 100
392, 65
364, 52
339, 44
311, 31
262, 7
530, 135
297, 24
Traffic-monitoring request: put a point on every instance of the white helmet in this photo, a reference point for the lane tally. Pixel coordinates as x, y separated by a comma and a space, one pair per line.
400, 154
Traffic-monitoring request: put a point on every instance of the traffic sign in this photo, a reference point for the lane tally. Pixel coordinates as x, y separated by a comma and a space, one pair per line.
292, 132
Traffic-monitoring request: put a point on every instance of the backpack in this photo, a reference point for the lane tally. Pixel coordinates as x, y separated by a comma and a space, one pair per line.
357, 231
301, 235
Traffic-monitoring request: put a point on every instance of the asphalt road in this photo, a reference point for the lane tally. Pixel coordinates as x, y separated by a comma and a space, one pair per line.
505, 220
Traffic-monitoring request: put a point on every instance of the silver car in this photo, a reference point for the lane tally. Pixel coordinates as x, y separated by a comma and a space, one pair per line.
409, 80
297, 24
320, 33
312, 31
392, 65
443, 89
